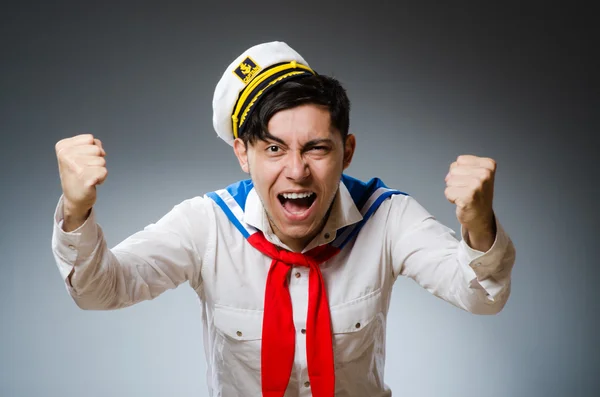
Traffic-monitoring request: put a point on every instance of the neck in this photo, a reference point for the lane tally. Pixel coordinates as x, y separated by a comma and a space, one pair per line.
298, 244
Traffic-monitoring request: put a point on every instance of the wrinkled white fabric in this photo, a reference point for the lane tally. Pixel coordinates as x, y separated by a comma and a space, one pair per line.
196, 242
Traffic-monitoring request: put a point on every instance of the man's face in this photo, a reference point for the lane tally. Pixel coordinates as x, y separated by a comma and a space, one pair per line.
296, 171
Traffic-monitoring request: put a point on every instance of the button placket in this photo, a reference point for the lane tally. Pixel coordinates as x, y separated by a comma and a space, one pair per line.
299, 275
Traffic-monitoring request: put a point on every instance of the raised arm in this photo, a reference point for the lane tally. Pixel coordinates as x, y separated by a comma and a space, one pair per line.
472, 272
159, 257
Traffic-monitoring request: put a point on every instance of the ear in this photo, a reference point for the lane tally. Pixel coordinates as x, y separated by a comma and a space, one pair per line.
241, 153
349, 150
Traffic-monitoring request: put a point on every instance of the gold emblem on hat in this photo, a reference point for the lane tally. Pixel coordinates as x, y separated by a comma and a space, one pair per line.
247, 70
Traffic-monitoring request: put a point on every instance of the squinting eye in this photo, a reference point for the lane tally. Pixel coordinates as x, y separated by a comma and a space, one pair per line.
320, 148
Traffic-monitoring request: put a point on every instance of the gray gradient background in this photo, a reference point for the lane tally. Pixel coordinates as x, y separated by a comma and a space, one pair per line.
426, 84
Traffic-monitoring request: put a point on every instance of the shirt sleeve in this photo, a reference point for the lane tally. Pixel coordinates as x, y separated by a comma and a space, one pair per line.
160, 257
429, 252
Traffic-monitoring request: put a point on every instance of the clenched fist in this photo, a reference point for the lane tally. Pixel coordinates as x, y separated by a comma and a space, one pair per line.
470, 185
82, 167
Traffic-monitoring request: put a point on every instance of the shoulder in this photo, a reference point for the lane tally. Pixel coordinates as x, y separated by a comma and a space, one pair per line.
373, 191
189, 212
200, 203
200, 208
210, 199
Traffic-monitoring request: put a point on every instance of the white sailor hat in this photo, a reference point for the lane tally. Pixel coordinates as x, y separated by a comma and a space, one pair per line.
247, 79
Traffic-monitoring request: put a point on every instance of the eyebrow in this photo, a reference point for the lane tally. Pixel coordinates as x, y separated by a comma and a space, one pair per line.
269, 137
310, 143
316, 142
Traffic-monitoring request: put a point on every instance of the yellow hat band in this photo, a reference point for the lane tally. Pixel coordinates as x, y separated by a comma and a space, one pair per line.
260, 84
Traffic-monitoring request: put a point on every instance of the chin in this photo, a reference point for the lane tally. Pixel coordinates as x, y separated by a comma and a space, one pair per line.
296, 231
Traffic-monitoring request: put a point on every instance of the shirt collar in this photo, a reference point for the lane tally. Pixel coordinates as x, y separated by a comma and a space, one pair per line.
343, 213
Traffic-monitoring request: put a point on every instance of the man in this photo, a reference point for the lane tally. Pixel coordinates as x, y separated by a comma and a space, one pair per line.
295, 266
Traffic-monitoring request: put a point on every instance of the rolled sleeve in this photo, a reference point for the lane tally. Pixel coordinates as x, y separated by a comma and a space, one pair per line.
74, 248
484, 270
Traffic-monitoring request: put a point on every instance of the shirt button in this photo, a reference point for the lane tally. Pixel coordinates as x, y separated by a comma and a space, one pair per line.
306, 384
357, 325
326, 235
303, 330
297, 274
239, 333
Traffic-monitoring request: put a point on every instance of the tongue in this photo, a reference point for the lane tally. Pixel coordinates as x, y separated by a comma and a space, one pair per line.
297, 205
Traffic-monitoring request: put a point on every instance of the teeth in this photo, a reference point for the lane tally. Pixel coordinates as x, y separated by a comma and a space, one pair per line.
292, 196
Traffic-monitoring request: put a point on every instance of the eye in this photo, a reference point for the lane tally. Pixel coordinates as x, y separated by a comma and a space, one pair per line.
320, 149
273, 149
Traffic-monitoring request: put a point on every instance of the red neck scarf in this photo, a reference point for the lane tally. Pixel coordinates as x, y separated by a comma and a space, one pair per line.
278, 333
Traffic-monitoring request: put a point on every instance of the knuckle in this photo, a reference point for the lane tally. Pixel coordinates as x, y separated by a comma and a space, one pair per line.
89, 182
62, 146
102, 177
79, 172
85, 139
65, 156
484, 174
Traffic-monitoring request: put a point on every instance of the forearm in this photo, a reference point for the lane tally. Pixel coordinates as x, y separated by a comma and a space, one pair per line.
487, 270
485, 294
90, 271
73, 219
112, 281
429, 253
483, 238
141, 267
476, 284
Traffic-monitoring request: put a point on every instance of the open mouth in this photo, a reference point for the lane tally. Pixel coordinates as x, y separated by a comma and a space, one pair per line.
297, 203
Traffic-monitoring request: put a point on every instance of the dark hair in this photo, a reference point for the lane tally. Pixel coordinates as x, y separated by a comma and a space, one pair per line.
315, 89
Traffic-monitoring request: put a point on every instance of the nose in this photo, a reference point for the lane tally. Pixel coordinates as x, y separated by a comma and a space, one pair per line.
296, 168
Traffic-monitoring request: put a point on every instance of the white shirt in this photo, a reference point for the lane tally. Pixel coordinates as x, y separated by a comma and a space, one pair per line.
196, 242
